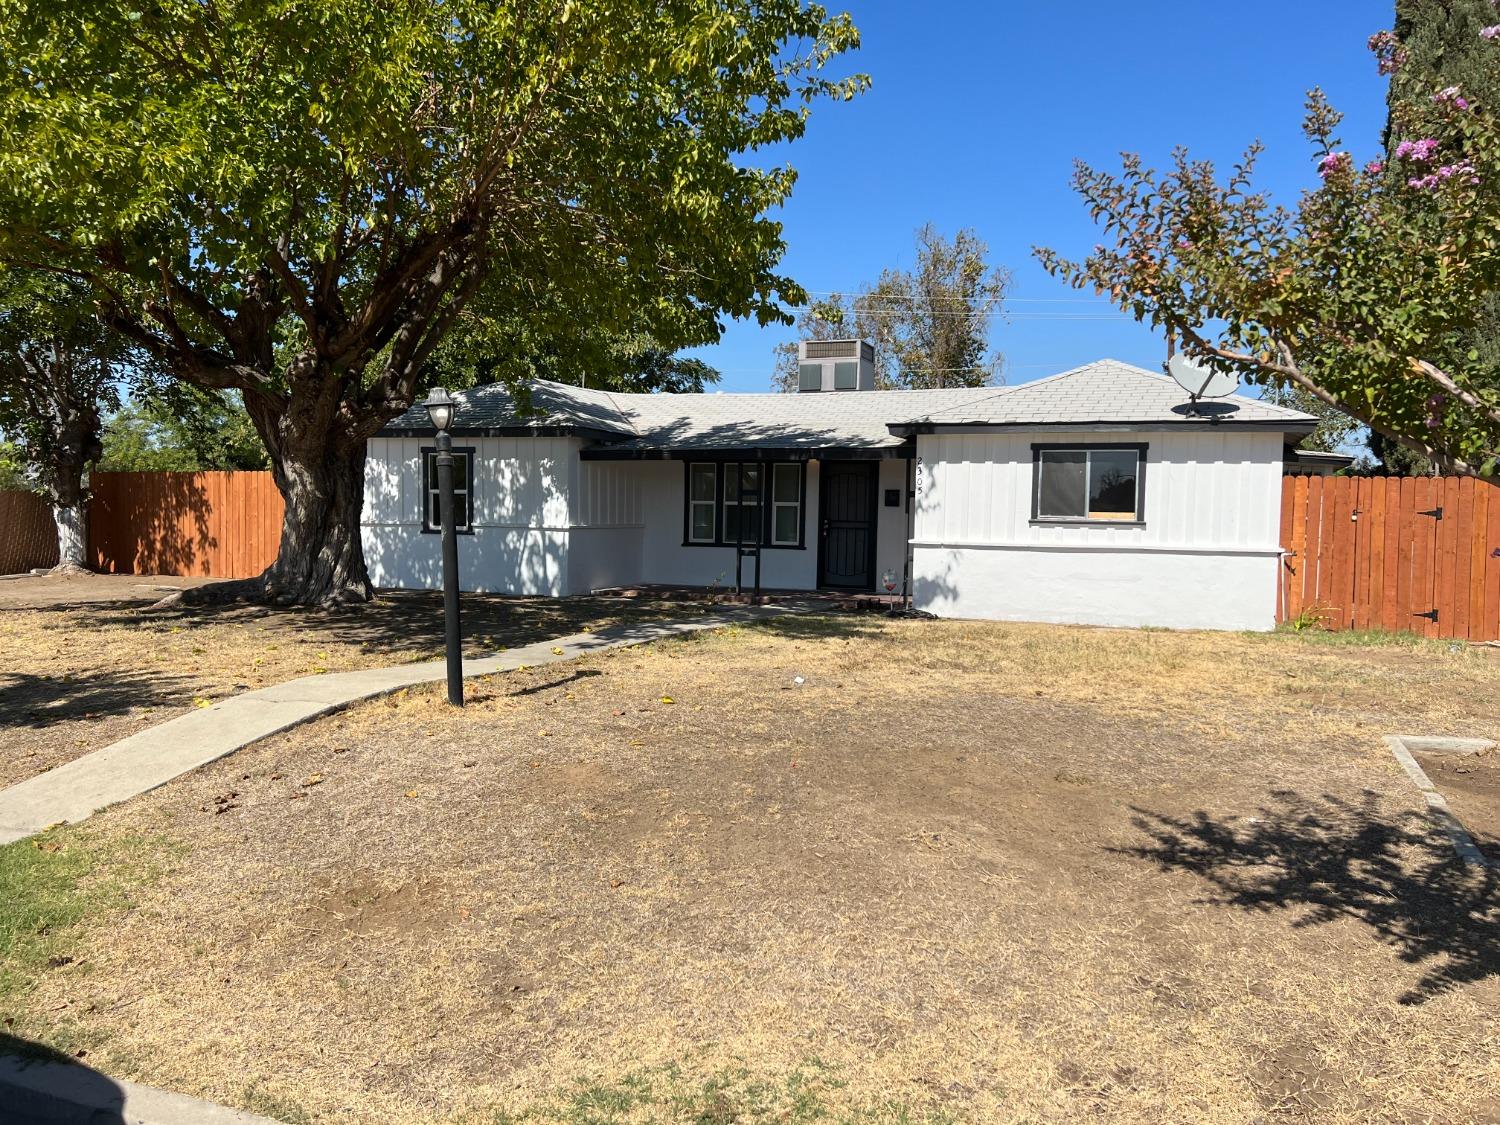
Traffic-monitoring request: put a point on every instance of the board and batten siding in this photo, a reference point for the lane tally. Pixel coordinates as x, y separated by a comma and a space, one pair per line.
1206, 557
520, 520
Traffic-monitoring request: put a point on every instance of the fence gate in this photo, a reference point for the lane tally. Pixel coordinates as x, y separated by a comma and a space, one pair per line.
1399, 553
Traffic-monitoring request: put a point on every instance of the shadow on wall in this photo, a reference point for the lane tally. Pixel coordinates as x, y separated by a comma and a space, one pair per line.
515, 501
933, 583
1324, 859
38, 701
150, 523
40, 1086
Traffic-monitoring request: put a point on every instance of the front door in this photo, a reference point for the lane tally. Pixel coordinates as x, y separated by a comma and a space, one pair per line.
846, 557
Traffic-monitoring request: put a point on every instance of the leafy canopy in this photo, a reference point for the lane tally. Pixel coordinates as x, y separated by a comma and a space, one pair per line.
60, 370
298, 197
1364, 295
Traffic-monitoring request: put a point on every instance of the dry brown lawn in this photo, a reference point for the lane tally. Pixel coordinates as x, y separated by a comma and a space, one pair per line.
84, 662
970, 872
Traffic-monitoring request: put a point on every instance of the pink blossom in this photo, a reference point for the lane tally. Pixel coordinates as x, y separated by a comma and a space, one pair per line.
1418, 152
1333, 162
1375, 167
1491, 32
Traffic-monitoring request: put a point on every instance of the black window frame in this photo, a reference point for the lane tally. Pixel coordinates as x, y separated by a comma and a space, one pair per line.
1141, 450
467, 452
767, 512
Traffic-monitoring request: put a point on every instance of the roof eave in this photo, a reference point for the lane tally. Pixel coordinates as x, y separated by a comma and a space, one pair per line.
1277, 425
553, 430
749, 453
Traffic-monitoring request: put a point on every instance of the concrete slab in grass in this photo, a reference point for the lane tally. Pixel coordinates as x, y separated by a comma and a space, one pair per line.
1401, 747
1424, 744
135, 765
42, 1092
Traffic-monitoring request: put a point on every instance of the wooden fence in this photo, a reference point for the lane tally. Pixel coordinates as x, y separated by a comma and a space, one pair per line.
1399, 553
212, 525
28, 537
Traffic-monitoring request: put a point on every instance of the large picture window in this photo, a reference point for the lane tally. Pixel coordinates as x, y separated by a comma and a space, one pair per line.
767, 498
463, 490
1089, 483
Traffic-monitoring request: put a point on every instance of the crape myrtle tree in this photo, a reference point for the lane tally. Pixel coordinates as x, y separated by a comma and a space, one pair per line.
297, 200
60, 372
1365, 294
930, 325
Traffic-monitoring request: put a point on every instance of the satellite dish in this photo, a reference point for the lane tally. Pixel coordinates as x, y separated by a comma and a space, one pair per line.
1201, 380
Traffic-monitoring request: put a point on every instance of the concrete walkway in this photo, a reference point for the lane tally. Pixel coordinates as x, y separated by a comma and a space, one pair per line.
135, 765
58, 1093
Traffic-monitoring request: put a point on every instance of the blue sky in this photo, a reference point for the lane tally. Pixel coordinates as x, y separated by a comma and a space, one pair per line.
977, 111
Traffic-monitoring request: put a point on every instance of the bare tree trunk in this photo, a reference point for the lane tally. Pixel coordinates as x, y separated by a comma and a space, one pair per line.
321, 561
71, 541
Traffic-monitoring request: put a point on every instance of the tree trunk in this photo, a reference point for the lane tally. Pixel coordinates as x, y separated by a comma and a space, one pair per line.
321, 560
70, 535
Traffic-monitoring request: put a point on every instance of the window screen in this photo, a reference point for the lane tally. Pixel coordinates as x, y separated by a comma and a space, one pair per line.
1088, 484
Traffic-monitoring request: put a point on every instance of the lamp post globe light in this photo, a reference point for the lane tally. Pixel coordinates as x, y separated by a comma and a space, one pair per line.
440, 408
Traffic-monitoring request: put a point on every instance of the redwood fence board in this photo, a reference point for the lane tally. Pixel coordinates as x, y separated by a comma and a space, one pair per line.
1420, 554
196, 525
28, 535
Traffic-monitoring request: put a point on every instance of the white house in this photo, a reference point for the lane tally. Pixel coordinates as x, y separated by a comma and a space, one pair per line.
1096, 496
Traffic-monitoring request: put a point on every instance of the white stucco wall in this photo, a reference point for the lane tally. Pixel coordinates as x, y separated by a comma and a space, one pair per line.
892, 525
1207, 557
667, 560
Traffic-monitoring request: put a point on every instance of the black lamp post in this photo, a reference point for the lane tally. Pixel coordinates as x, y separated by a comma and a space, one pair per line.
440, 407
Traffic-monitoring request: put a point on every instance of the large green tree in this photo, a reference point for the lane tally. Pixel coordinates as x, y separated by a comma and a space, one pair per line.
930, 325
178, 428
1366, 295
60, 372
1438, 43
297, 200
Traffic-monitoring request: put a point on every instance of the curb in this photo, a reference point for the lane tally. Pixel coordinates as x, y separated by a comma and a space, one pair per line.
1401, 747
41, 1092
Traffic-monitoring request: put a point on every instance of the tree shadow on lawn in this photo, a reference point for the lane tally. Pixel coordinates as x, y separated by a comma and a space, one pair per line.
39, 701
41, 1085
1326, 859
407, 622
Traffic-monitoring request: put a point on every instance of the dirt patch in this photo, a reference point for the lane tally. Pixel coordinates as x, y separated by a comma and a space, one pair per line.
1471, 783
84, 662
995, 873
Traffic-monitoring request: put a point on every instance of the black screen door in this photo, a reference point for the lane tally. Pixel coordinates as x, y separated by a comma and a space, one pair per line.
846, 508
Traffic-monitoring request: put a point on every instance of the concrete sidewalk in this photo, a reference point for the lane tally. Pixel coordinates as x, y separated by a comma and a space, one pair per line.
36, 1092
135, 765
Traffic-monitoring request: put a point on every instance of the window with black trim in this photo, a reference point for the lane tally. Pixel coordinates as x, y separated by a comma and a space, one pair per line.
703, 503
463, 490
767, 497
1102, 483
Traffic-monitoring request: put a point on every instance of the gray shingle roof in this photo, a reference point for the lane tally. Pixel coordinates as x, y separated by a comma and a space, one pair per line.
1105, 392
